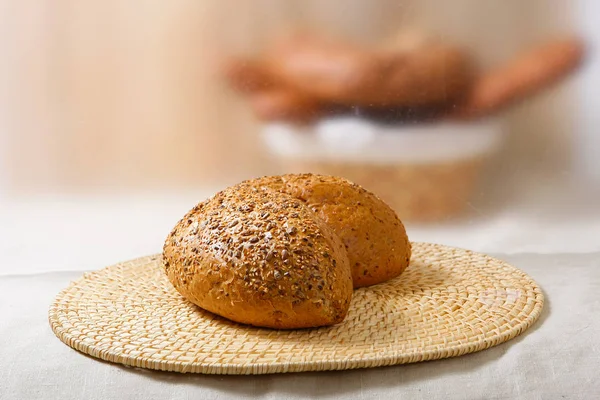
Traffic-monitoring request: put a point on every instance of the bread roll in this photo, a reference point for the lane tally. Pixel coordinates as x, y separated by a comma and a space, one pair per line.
374, 236
346, 74
522, 77
262, 258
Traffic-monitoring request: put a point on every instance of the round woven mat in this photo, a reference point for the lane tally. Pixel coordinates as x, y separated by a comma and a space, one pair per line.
449, 302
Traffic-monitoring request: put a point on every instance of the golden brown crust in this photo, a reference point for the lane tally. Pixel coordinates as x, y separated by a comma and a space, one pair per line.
375, 238
262, 258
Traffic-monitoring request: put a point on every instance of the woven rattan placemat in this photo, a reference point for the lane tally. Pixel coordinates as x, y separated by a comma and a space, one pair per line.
449, 302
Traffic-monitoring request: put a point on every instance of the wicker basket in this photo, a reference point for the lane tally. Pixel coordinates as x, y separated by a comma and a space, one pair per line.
425, 172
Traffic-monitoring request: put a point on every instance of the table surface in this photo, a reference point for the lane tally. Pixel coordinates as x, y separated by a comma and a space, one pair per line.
46, 242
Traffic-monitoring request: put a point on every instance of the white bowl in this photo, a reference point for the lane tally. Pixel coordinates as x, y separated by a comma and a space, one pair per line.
357, 140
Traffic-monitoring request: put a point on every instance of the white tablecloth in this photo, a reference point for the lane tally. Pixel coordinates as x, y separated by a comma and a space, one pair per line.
47, 241
558, 358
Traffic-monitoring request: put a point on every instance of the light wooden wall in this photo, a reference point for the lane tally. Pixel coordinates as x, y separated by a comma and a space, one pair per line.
107, 94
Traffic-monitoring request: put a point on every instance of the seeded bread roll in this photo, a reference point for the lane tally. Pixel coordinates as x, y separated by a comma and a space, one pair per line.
261, 258
374, 236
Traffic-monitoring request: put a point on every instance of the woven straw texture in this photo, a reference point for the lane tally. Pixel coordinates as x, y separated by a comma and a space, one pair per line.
449, 302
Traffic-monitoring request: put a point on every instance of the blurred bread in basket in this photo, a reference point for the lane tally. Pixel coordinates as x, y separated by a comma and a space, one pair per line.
408, 85
314, 76
326, 76
344, 74
274, 252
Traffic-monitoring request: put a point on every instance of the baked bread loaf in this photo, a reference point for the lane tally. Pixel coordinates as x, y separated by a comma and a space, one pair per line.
346, 74
375, 238
260, 257
302, 78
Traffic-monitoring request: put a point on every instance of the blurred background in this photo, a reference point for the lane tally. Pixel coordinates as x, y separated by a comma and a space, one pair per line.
117, 117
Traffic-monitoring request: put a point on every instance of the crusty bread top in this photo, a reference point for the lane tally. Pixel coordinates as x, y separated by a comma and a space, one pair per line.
376, 240
259, 247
